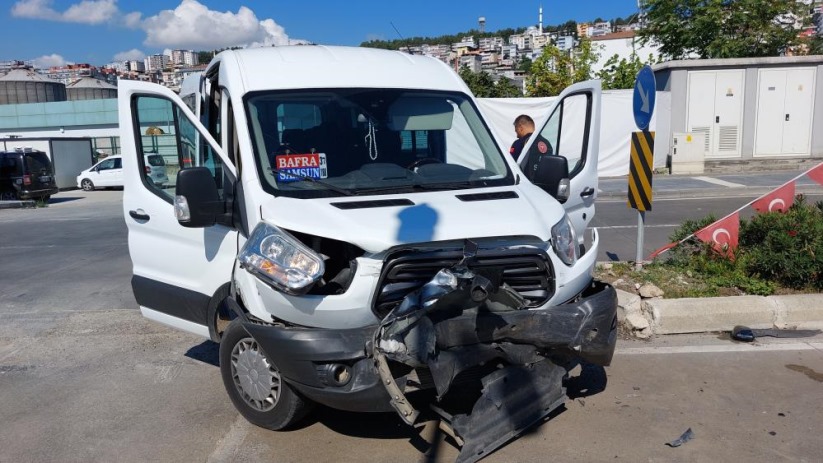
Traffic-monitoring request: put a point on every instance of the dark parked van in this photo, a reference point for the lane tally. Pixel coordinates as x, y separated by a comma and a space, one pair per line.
26, 174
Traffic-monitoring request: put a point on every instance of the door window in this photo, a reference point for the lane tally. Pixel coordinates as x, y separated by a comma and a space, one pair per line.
166, 131
565, 134
106, 165
10, 166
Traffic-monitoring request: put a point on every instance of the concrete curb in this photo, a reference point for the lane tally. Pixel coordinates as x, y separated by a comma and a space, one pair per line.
17, 204
644, 317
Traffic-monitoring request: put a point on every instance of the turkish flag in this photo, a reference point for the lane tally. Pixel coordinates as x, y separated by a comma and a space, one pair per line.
722, 235
778, 200
816, 174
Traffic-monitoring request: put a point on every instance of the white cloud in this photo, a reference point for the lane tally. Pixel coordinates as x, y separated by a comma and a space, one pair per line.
193, 25
92, 11
132, 20
84, 12
47, 61
130, 55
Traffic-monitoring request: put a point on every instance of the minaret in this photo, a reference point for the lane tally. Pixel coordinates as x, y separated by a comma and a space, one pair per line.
540, 18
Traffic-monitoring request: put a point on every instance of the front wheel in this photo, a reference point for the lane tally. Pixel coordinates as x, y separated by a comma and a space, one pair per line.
87, 185
254, 383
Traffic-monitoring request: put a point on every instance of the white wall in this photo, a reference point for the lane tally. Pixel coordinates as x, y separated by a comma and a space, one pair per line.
616, 126
622, 48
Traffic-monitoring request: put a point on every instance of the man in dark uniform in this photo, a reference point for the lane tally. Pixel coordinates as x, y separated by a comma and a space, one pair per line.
523, 127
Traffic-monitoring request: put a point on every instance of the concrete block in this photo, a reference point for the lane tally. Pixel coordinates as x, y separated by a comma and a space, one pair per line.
627, 303
798, 310
676, 316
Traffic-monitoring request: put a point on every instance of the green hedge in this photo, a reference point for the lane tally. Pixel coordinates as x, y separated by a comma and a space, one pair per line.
774, 249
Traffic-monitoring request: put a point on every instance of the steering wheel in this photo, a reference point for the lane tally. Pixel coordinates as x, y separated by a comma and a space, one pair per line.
422, 162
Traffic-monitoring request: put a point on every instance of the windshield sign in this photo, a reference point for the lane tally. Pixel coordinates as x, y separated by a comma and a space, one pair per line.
371, 141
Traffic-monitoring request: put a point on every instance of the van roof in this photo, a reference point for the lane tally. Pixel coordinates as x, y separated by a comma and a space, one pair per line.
318, 66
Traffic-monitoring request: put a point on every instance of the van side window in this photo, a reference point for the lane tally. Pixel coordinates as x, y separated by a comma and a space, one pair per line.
10, 166
166, 131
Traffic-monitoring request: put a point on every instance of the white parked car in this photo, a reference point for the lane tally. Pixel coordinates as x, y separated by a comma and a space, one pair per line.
347, 228
106, 173
109, 172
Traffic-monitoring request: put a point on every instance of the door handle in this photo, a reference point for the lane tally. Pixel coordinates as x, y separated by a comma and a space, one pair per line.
716, 119
139, 214
787, 118
588, 191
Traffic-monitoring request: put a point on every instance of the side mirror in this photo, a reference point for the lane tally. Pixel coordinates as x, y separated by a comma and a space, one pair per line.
552, 175
197, 203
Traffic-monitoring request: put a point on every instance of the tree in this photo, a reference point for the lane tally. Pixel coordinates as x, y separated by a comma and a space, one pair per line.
620, 73
555, 70
723, 28
525, 64
816, 45
482, 85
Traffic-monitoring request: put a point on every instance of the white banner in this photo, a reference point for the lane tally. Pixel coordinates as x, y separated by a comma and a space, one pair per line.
616, 126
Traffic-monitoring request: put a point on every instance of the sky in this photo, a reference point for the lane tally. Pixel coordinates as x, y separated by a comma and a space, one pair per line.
56, 32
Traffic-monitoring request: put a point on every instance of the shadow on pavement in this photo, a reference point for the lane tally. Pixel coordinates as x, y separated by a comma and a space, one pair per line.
206, 352
591, 380
63, 199
370, 425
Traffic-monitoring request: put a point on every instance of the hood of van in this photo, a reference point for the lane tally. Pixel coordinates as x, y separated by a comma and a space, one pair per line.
377, 223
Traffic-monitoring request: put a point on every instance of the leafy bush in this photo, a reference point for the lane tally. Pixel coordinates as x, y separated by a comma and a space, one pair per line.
775, 250
785, 248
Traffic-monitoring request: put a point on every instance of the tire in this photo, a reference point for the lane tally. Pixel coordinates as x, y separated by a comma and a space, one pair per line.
268, 402
8, 195
46, 198
87, 185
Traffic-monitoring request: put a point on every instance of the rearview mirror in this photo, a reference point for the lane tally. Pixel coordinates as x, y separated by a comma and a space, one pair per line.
197, 203
552, 175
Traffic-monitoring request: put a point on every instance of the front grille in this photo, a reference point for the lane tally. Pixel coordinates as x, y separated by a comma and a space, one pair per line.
527, 271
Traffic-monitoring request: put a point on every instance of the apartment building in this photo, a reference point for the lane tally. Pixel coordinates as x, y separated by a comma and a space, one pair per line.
184, 58
157, 62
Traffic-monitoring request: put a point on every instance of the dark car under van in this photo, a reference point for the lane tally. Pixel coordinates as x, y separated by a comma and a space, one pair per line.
26, 174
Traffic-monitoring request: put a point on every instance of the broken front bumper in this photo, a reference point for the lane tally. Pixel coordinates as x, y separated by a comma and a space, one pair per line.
309, 358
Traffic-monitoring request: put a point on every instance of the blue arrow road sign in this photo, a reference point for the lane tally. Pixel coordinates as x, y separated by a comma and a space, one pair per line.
644, 96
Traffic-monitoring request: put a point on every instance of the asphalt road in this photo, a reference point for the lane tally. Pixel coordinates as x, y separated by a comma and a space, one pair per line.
84, 378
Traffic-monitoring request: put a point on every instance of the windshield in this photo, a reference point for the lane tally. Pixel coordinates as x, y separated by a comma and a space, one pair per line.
371, 141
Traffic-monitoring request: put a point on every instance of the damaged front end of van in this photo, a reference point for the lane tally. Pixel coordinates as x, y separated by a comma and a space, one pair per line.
465, 348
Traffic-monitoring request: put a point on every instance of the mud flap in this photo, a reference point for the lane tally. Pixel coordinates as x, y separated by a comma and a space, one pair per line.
513, 399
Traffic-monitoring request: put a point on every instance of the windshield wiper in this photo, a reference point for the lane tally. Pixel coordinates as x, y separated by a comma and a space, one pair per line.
448, 186
306, 178
418, 187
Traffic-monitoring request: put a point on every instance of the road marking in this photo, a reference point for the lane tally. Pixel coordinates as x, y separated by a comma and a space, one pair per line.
717, 181
719, 348
230, 444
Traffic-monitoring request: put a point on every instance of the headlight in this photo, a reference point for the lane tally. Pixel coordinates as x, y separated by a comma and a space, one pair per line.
564, 241
280, 260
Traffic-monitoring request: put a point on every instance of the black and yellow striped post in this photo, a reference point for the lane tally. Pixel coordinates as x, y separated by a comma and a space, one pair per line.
640, 183
640, 171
